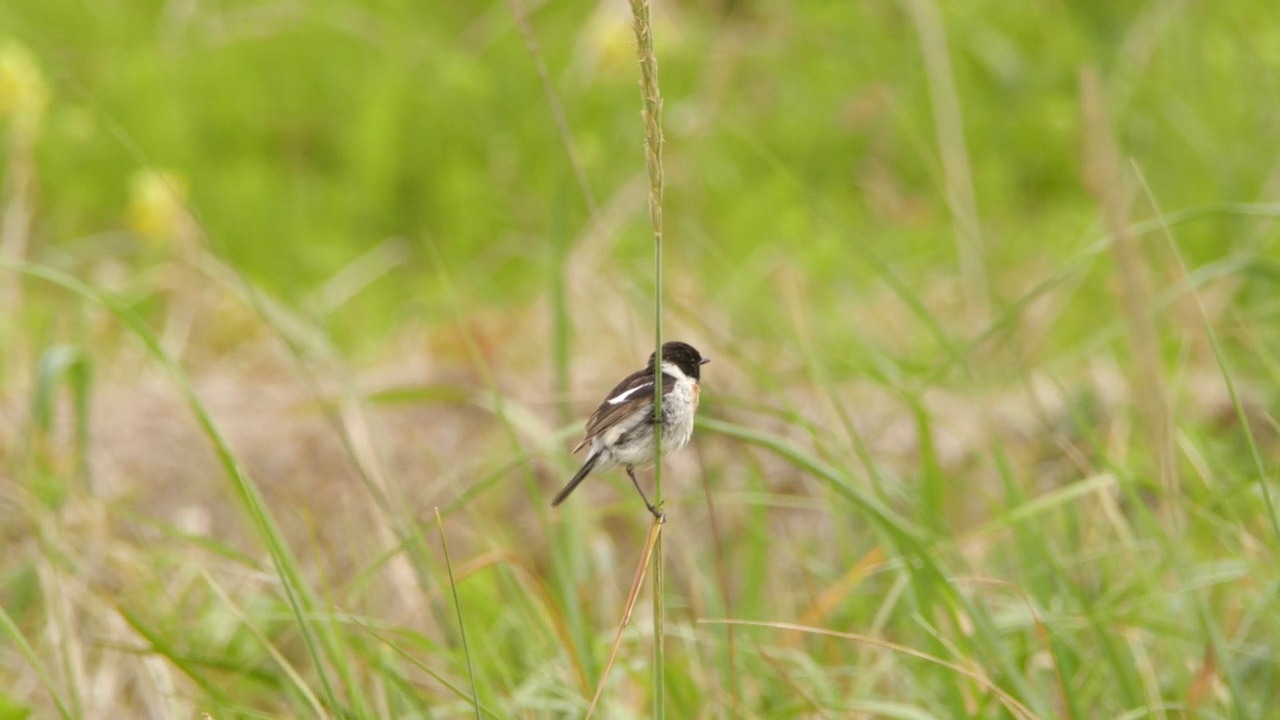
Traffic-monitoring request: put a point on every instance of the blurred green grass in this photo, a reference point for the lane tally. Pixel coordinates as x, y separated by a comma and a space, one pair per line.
310, 135
876, 461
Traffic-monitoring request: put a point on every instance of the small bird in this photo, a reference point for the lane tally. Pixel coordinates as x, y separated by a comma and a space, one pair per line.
621, 430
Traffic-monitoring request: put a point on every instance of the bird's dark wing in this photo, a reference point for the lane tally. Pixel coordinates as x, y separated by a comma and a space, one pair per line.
633, 394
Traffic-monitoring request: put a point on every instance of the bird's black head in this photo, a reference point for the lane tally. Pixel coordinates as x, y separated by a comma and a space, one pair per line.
683, 356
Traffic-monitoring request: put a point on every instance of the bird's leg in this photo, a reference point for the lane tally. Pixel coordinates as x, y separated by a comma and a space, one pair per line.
661, 516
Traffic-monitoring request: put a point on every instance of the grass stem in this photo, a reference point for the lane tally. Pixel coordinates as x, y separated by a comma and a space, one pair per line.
653, 160
1102, 169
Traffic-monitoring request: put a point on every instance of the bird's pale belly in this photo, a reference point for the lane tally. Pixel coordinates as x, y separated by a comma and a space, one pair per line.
636, 445
679, 408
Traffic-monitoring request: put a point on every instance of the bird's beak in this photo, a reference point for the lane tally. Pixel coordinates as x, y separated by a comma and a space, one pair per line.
705, 361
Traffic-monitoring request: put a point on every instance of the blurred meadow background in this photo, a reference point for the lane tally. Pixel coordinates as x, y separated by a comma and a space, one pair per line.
988, 430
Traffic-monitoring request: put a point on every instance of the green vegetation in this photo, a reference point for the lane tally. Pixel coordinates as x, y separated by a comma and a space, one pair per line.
988, 430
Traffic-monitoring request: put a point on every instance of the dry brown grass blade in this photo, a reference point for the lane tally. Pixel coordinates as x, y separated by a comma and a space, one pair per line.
1015, 707
1102, 176
828, 599
1042, 632
1201, 687
654, 531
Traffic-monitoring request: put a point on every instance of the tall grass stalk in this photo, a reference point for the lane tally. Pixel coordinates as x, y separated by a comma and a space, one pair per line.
957, 171
1103, 177
653, 161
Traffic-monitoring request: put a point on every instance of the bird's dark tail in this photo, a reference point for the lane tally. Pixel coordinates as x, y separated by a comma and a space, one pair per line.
582, 474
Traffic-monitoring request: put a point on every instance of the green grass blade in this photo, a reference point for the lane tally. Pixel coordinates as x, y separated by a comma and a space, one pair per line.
457, 607
15, 635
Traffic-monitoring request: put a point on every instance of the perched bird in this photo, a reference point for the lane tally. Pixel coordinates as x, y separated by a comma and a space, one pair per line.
621, 430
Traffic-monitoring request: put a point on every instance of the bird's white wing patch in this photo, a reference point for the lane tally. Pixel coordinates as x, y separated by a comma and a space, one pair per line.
622, 396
